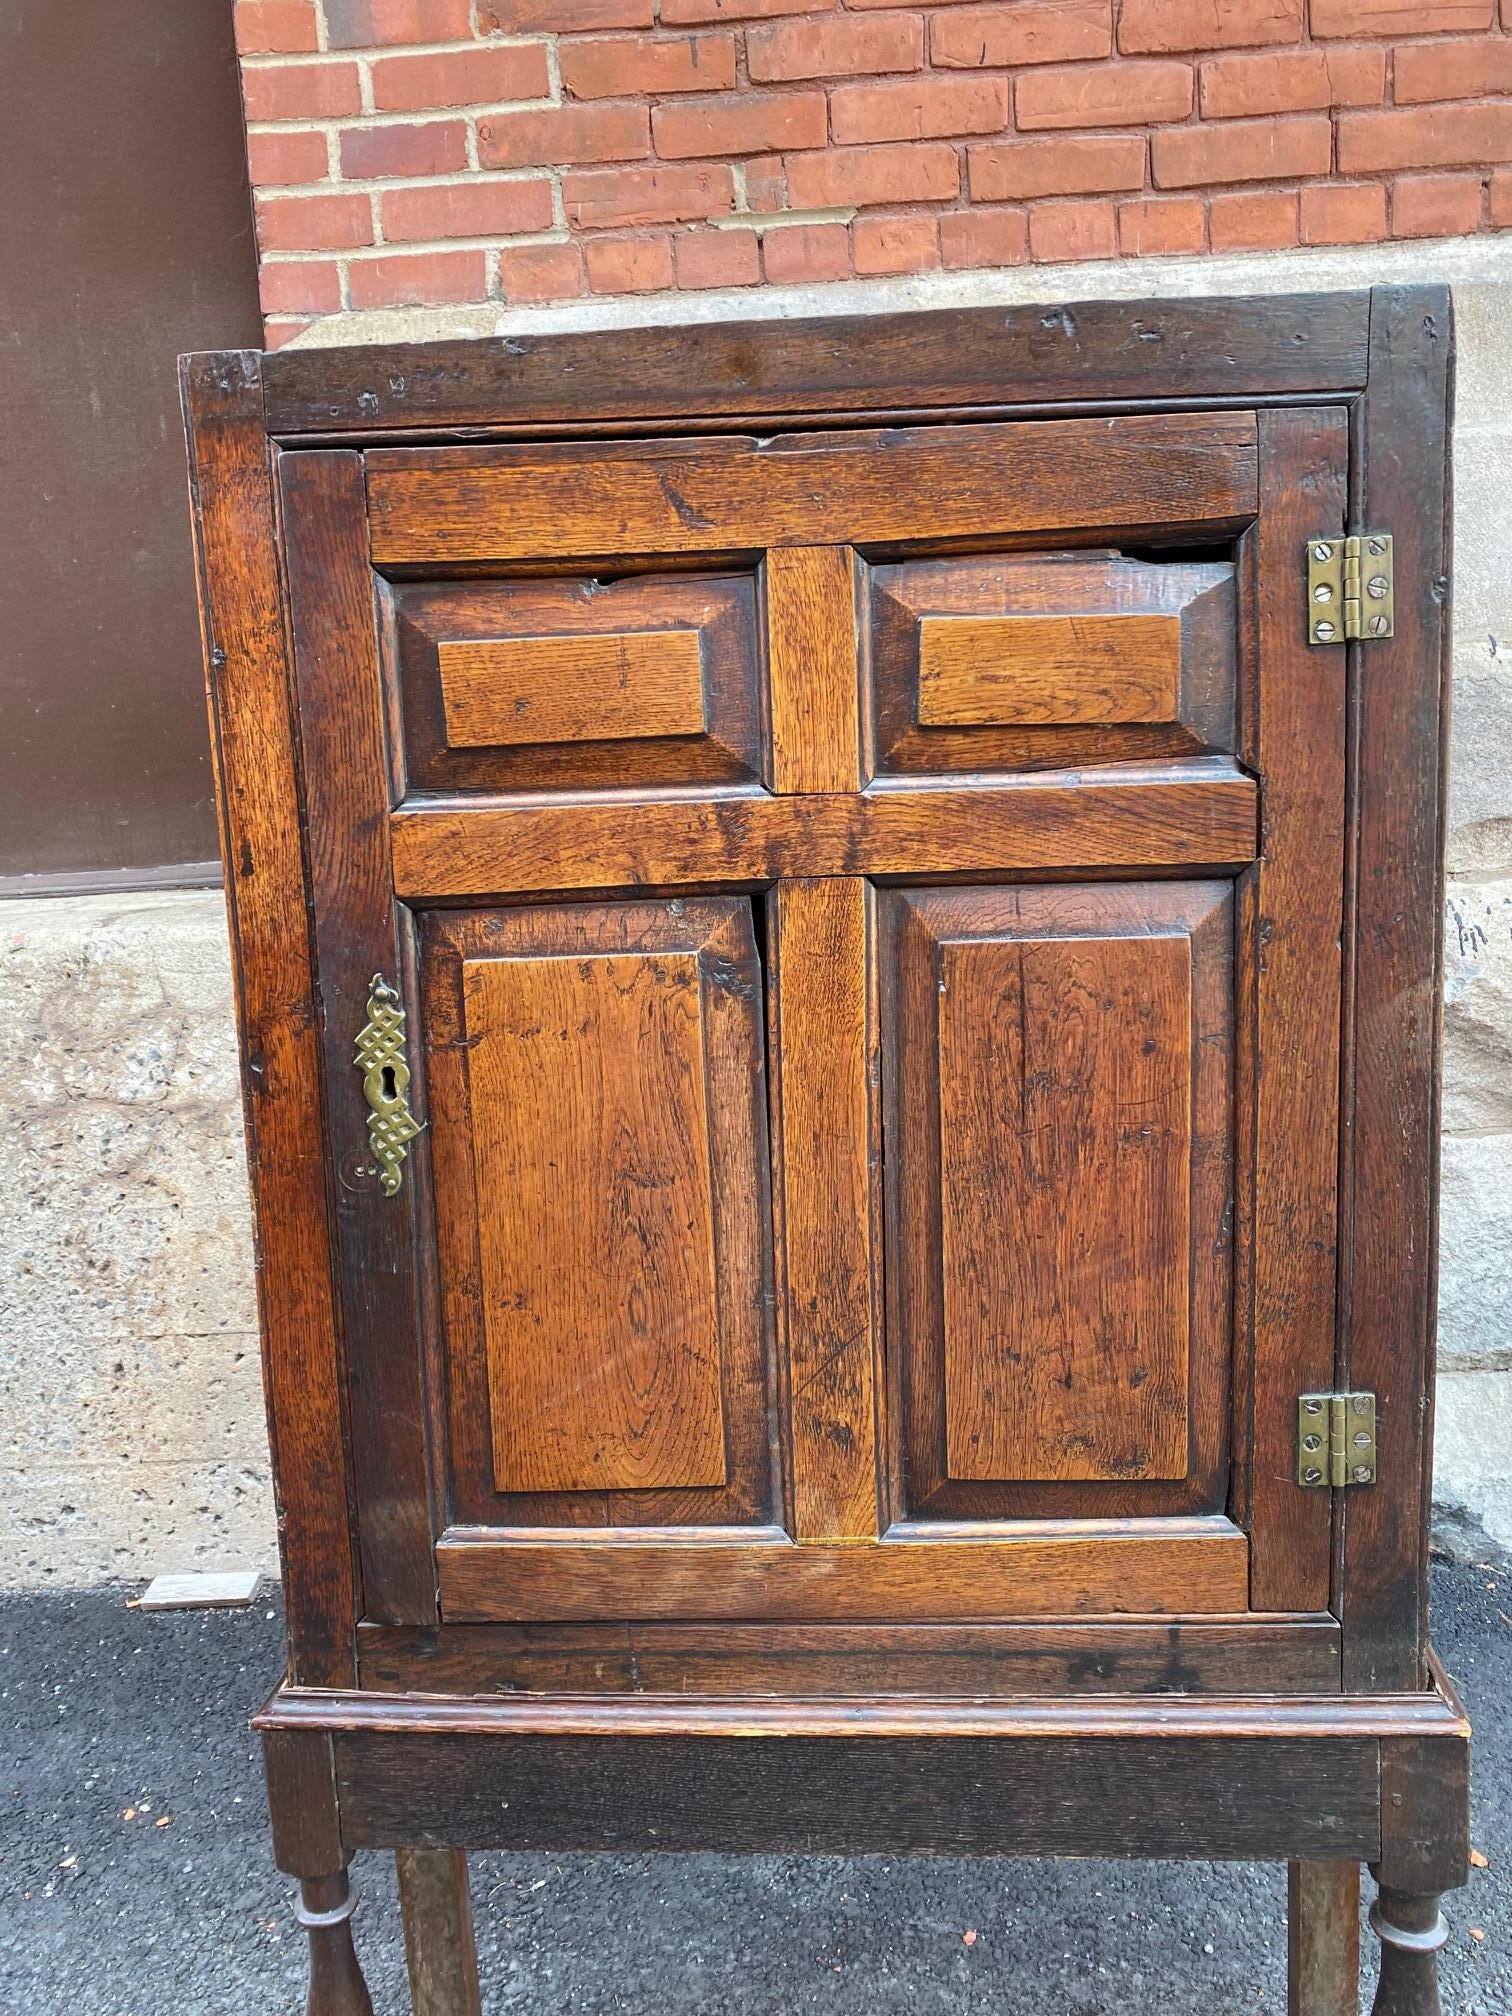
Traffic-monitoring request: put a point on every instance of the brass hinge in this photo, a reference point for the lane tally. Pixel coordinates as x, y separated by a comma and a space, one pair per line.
1336, 1439
1351, 588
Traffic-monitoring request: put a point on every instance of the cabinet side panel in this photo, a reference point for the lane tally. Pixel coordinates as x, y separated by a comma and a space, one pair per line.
252, 739
1391, 1093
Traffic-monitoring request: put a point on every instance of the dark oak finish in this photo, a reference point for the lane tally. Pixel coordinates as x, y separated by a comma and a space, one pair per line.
921, 996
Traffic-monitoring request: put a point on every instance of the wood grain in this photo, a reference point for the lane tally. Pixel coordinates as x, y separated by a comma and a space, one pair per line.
1399, 717
826, 1125
482, 1237
591, 1132
1291, 1010
811, 664
618, 686
358, 934
1065, 1070
569, 683
447, 506
441, 1955
1049, 660
1323, 1939
1082, 353
1127, 818
997, 671
1271, 1796
1171, 1657
1057, 1569
1058, 1094
252, 743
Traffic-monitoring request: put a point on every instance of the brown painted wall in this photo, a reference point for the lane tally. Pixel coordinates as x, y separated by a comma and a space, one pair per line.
125, 237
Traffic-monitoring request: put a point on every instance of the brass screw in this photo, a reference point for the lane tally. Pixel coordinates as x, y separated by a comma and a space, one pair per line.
1379, 625
1312, 1442
1323, 592
1313, 1474
1376, 586
1324, 632
1376, 546
1322, 552
1362, 1473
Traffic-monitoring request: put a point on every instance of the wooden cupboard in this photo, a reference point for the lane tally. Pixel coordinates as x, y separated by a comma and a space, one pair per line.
836, 930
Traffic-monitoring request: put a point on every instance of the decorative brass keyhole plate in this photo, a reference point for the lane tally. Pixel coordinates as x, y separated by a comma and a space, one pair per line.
385, 1083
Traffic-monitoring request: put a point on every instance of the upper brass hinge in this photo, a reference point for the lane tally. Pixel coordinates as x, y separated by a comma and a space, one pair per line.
1336, 1439
1351, 588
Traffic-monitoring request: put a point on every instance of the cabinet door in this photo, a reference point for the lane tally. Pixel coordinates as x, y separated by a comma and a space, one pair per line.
868, 909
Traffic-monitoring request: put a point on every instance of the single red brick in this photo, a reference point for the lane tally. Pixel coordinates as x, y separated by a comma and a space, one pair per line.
799, 252
1399, 17
717, 259
374, 153
1253, 220
282, 329
1292, 80
300, 91
1501, 198
606, 196
1073, 231
564, 133
477, 208
333, 223
1425, 136
468, 77
837, 46
728, 10
618, 67
1424, 70
278, 159
1248, 150
926, 172
299, 287
984, 237
1069, 167
569, 17
766, 184
1146, 26
1103, 94
1436, 206
540, 272
924, 108
1343, 213
418, 280
628, 265
689, 129
1162, 224
368, 24
882, 245
276, 27
1035, 31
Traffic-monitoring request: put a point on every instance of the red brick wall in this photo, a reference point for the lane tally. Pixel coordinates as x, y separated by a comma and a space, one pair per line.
436, 151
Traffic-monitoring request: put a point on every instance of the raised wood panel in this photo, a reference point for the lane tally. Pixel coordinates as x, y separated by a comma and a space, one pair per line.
447, 506
1058, 1069
599, 1144
1049, 660
621, 686
1065, 1142
1191, 816
1049, 1569
591, 1132
568, 684
1002, 671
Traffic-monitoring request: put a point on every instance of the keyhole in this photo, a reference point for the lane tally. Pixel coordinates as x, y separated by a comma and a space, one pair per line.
390, 1088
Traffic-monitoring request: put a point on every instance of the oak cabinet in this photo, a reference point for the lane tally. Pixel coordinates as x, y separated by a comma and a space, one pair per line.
838, 983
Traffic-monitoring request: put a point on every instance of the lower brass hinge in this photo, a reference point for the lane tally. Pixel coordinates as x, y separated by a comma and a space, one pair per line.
1336, 1439
1351, 588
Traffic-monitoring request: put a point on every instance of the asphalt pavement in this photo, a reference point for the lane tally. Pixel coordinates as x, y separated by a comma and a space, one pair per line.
135, 1875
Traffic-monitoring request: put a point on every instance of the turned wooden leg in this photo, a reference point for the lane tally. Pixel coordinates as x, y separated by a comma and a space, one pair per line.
1323, 1939
438, 1932
325, 1910
1411, 1929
